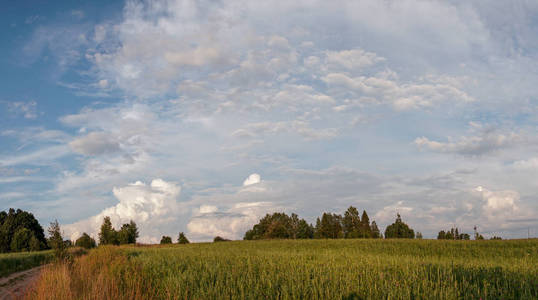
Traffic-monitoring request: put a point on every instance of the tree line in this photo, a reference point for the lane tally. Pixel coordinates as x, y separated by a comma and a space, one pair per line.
20, 231
329, 226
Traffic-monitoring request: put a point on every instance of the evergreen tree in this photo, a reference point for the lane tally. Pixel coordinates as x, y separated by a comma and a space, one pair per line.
399, 229
85, 241
182, 239
366, 231
419, 235
166, 240
441, 235
108, 235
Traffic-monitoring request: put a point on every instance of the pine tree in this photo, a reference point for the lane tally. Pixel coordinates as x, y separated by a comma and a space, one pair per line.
366, 231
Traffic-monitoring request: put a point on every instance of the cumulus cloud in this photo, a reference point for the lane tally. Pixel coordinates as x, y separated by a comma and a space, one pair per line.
498, 202
252, 179
229, 223
154, 208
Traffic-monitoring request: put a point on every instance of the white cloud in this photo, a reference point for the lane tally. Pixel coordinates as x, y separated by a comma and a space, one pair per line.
154, 208
252, 179
352, 59
95, 143
486, 142
231, 223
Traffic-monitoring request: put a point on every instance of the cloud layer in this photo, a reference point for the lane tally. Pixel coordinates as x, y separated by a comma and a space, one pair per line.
390, 106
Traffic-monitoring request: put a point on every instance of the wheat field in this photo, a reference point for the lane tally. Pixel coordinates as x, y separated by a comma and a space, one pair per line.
300, 269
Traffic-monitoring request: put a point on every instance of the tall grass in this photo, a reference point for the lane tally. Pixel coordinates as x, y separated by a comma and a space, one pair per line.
308, 269
20, 261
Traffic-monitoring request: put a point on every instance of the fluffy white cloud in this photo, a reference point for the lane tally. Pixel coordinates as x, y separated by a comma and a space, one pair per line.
252, 179
499, 202
154, 208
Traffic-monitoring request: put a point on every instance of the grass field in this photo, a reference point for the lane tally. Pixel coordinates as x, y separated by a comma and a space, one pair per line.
301, 269
15, 262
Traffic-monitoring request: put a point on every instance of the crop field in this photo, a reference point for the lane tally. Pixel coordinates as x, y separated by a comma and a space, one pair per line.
15, 262
300, 269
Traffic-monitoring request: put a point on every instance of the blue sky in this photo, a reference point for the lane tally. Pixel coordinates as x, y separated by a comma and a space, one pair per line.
202, 116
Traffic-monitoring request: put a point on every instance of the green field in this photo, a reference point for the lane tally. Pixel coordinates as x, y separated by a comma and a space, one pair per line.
15, 262
303, 269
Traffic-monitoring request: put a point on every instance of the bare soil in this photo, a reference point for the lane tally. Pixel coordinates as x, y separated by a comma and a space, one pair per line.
16, 285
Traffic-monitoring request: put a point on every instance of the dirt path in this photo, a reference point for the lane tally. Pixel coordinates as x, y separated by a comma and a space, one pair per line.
15, 285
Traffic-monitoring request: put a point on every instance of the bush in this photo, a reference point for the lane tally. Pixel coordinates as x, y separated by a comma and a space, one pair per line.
166, 240
220, 239
85, 241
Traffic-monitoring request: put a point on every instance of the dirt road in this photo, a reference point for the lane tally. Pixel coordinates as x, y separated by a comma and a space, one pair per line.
15, 285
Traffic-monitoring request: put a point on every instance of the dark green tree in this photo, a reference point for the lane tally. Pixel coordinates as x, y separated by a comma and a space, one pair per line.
329, 227
366, 231
419, 235
182, 239
351, 223
85, 241
56, 241
441, 235
220, 239
128, 233
279, 226
21, 240
14, 220
304, 230
399, 229
166, 240
108, 235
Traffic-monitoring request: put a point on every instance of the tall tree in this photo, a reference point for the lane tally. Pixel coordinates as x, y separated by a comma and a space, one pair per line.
128, 233
182, 239
375, 231
399, 229
14, 220
56, 241
330, 227
366, 231
108, 235
351, 223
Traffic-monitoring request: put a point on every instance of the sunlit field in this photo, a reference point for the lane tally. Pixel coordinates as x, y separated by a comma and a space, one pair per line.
301, 269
